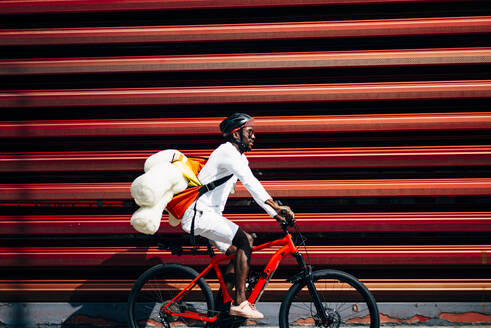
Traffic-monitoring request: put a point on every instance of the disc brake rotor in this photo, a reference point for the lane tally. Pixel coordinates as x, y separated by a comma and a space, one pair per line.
333, 317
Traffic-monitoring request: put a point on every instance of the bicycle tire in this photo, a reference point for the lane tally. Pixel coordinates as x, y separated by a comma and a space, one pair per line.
344, 297
161, 283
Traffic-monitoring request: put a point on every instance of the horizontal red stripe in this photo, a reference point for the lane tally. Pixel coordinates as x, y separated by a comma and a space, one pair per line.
264, 124
248, 94
261, 223
65, 6
300, 188
70, 289
251, 31
258, 158
319, 255
374, 58
72, 285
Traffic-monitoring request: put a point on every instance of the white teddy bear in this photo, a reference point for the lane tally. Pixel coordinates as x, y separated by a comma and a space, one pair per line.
155, 188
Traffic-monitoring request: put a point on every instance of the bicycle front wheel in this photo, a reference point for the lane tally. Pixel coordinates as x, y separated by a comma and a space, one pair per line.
346, 301
158, 286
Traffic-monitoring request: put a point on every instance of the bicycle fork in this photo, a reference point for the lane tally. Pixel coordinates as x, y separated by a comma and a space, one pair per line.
308, 278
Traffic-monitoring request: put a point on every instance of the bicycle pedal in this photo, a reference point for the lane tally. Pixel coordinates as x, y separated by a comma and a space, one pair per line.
223, 308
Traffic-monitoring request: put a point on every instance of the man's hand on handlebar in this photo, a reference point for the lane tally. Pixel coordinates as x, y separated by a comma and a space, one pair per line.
285, 213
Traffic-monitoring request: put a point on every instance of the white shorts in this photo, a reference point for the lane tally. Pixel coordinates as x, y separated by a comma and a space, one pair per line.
217, 228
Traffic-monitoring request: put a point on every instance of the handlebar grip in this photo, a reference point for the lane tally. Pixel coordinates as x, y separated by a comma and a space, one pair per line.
289, 220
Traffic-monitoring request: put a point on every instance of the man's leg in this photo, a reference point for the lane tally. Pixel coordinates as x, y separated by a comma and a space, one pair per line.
243, 242
229, 274
243, 308
241, 273
225, 232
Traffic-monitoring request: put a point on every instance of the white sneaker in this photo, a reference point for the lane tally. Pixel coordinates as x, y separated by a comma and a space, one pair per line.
246, 310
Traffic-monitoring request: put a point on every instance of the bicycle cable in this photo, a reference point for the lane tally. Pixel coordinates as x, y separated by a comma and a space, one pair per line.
303, 243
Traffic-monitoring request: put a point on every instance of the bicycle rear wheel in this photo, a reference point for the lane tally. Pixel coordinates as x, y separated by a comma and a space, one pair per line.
159, 285
347, 302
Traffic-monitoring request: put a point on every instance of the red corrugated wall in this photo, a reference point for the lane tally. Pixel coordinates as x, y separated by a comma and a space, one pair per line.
373, 123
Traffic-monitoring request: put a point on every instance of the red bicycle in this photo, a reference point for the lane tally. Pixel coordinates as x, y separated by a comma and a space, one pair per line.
174, 295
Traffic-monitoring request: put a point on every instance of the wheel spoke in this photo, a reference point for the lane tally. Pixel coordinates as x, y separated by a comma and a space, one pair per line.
157, 287
344, 302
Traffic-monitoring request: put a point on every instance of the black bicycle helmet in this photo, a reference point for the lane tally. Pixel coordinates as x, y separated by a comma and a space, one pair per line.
233, 123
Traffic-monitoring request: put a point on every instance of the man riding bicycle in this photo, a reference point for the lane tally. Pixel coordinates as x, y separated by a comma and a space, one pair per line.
229, 159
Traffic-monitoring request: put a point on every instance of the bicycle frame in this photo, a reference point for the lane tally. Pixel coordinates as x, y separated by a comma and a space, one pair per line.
287, 247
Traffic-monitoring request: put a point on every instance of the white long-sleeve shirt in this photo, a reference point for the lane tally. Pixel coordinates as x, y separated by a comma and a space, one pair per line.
223, 161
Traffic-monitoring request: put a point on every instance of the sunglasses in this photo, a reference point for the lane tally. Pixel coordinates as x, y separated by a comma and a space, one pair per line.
249, 132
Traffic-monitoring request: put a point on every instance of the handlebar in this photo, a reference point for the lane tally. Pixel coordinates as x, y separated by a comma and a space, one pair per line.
290, 221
